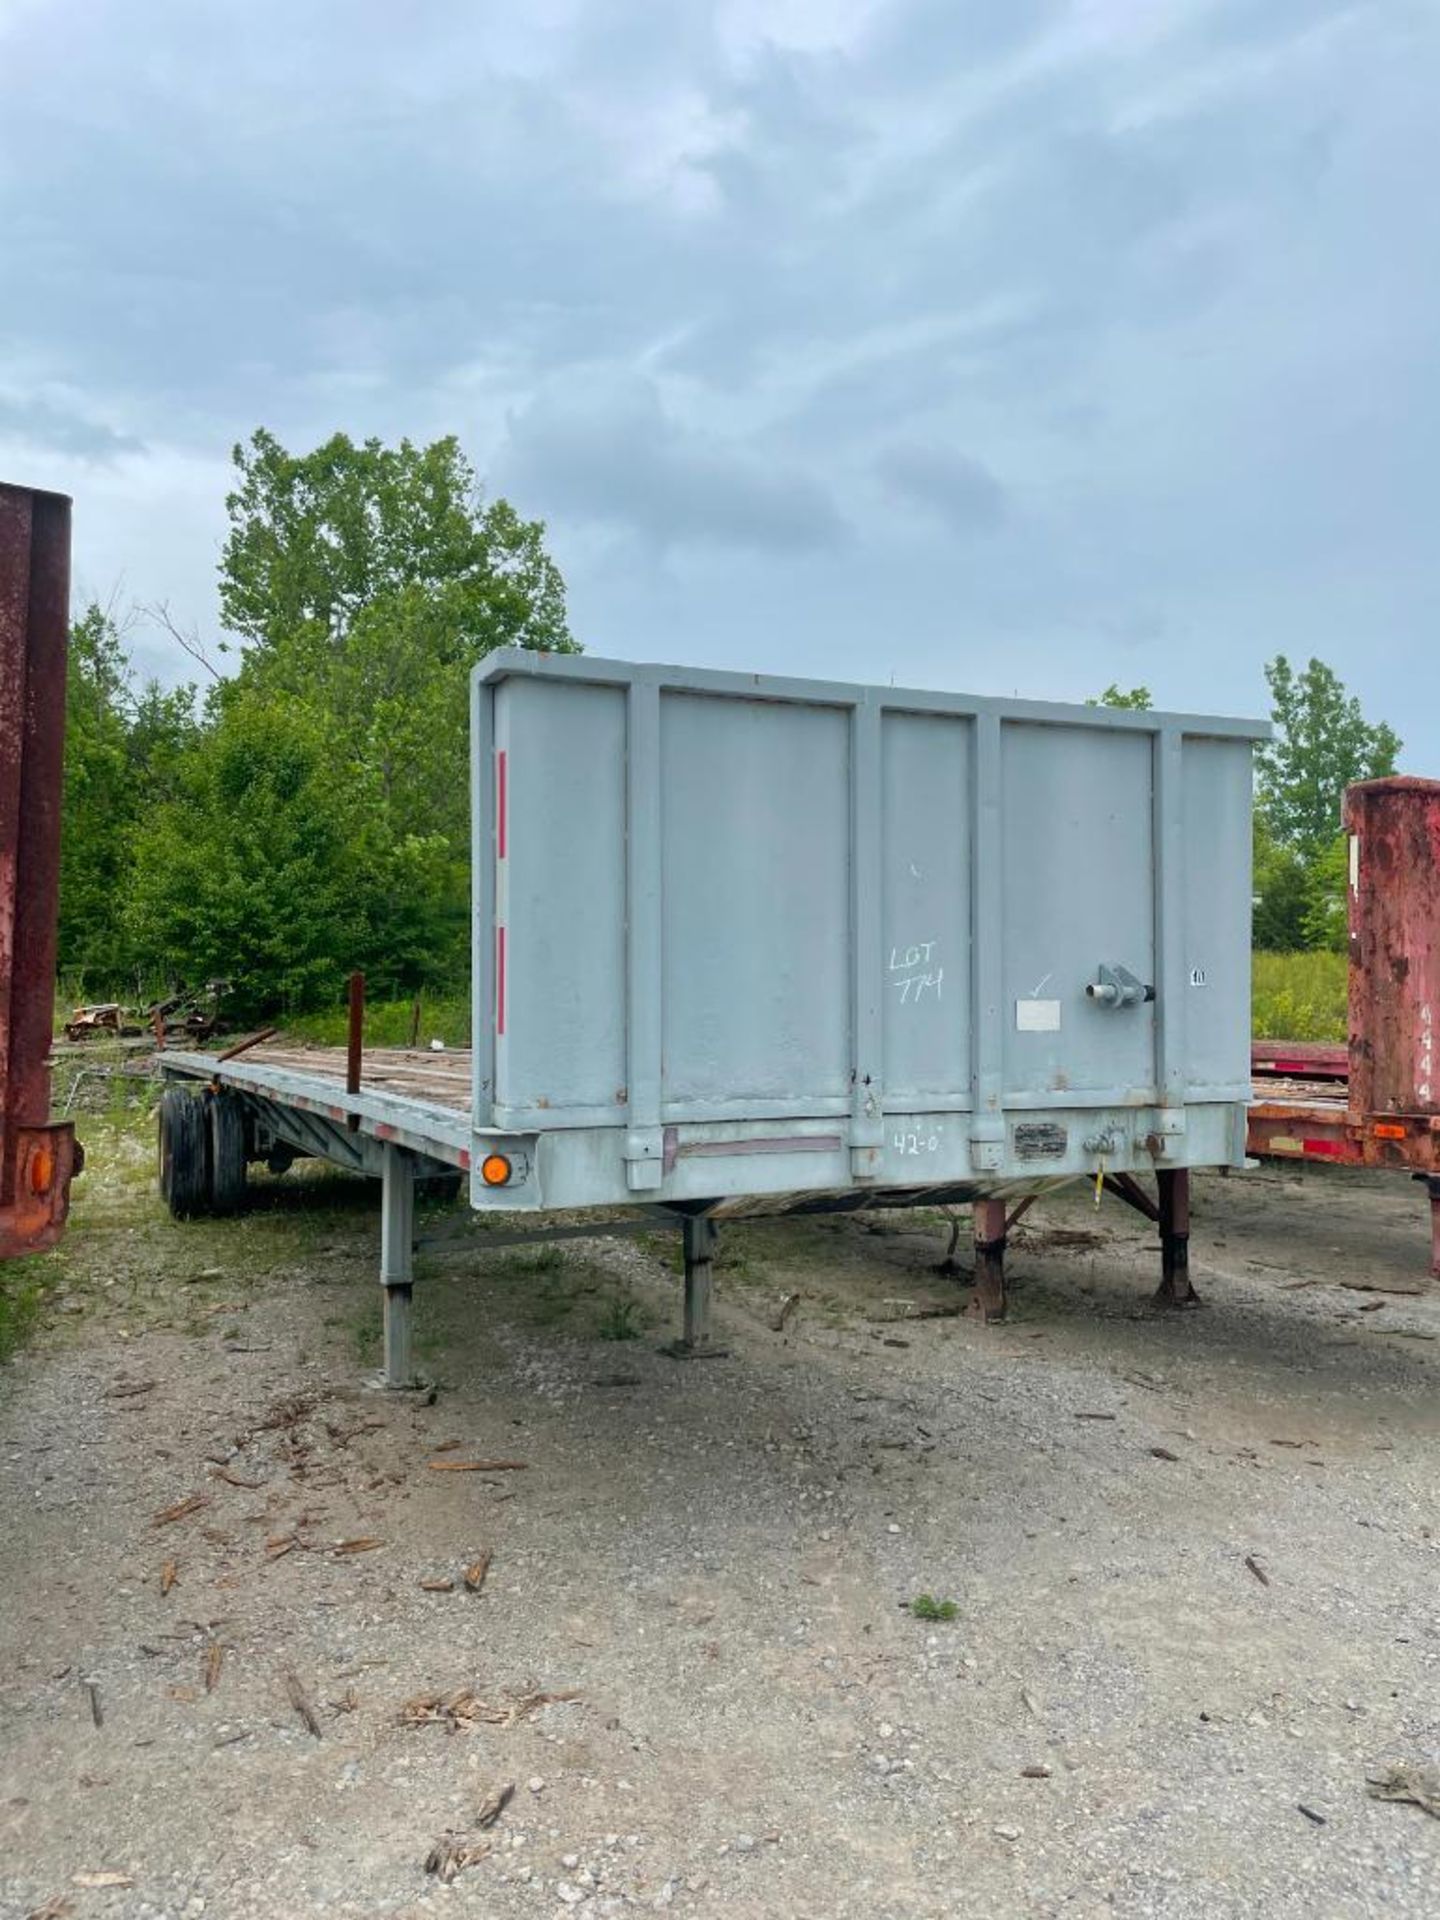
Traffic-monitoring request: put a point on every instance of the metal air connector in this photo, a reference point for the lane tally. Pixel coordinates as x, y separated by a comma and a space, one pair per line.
1117, 987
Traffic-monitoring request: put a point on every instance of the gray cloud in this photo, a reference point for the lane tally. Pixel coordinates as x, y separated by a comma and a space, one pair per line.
612, 455
36, 422
962, 494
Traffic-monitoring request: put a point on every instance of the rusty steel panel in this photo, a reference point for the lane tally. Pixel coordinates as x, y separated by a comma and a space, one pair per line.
1394, 915
36, 1159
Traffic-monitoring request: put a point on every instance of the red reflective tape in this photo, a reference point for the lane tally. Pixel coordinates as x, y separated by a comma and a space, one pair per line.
1331, 1149
502, 807
499, 980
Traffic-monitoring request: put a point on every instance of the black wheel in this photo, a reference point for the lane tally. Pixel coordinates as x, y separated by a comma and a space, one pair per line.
226, 1113
184, 1154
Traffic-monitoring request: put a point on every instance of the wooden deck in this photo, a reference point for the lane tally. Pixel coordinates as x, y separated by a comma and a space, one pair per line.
412, 1072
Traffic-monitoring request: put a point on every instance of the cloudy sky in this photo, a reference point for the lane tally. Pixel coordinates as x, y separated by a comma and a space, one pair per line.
1011, 345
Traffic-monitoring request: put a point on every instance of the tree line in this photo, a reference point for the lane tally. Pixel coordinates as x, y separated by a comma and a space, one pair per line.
308, 812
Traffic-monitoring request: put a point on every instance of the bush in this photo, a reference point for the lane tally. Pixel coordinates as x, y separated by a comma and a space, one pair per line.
1300, 996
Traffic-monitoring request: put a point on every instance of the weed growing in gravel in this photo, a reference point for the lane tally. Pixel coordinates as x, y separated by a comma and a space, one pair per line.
619, 1319
926, 1607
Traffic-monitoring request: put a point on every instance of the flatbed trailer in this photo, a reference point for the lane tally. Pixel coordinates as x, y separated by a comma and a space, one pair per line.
751, 945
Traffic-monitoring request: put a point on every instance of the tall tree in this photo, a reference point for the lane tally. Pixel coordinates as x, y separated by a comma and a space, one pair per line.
323, 821
317, 538
1322, 742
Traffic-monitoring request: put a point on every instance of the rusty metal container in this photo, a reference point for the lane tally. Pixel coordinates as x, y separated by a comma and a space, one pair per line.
1394, 917
36, 1158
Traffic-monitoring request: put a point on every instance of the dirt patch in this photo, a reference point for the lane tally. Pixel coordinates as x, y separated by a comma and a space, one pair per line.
1191, 1559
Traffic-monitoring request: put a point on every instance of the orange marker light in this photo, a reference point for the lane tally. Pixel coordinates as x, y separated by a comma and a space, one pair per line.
495, 1170
1383, 1130
42, 1170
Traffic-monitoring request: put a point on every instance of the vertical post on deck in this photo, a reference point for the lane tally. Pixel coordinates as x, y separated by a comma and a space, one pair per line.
355, 1040
397, 1264
700, 1234
1173, 1184
988, 1301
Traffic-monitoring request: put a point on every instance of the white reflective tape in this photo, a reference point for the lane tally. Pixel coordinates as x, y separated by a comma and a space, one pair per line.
1354, 863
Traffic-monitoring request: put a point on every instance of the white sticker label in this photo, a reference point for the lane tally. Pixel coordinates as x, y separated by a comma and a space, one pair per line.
1354, 863
1197, 977
1037, 1016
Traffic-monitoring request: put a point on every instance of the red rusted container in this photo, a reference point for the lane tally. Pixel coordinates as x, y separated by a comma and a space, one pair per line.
36, 1158
1394, 901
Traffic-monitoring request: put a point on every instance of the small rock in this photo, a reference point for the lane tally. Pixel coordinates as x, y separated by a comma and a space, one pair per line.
1039, 1771
893, 1527
1006, 1833
537, 1785
569, 1861
881, 1762
570, 1896
886, 1731
745, 1843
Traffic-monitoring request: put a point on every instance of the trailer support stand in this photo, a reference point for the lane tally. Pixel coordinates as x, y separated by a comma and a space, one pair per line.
988, 1302
700, 1235
397, 1264
1175, 1289
1433, 1184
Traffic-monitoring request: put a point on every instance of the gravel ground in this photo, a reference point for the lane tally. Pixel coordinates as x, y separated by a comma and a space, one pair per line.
1192, 1559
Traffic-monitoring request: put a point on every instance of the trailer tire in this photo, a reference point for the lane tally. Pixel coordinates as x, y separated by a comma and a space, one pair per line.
226, 1116
184, 1154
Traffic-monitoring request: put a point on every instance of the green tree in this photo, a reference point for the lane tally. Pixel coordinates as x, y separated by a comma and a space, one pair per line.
273, 868
366, 582
1282, 892
322, 821
121, 749
1321, 743
1136, 698
317, 538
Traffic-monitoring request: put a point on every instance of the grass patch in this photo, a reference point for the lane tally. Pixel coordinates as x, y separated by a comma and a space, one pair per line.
389, 1023
1300, 996
23, 1287
926, 1607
